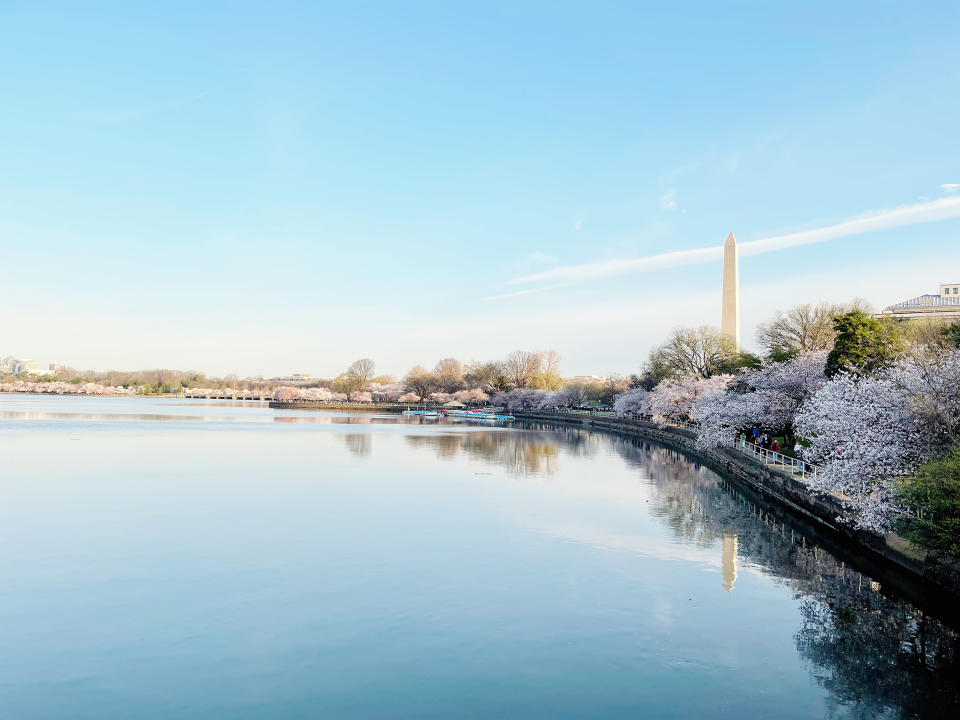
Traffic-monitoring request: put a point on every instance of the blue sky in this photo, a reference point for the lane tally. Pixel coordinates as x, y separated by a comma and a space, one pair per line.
268, 189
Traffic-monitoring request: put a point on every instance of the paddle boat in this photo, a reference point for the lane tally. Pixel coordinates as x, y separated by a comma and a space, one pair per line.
477, 415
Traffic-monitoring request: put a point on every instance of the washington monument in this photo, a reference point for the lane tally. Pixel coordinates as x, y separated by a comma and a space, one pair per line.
730, 320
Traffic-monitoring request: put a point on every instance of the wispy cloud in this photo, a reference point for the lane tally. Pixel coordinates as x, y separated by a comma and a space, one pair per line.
941, 209
578, 225
623, 266
531, 291
667, 201
950, 187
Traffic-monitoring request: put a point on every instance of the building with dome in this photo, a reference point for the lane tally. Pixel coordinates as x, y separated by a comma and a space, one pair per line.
943, 306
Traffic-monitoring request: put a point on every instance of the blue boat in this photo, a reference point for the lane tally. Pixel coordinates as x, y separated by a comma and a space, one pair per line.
478, 415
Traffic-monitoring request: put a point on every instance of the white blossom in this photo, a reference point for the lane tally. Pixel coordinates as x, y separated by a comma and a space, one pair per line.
633, 402
525, 399
674, 399
863, 437
767, 398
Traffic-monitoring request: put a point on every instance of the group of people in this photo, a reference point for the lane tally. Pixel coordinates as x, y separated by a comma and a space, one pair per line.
761, 439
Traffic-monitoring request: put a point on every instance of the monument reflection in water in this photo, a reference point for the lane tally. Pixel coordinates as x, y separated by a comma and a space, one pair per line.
174, 559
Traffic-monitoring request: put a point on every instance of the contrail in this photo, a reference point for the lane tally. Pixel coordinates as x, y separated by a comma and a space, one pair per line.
942, 209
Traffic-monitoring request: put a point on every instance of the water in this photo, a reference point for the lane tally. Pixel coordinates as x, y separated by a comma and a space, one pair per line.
183, 559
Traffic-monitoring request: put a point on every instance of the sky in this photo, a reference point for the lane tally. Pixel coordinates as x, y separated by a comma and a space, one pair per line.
268, 188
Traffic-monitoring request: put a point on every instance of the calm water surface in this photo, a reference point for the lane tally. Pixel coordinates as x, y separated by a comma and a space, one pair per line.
190, 559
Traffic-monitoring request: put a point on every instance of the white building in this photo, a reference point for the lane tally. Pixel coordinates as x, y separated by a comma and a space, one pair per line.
11, 364
30, 367
943, 306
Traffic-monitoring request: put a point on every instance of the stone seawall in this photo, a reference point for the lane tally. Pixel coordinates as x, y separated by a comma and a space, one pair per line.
917, 572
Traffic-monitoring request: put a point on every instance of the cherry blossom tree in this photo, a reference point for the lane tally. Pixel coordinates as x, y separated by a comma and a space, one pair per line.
574, 393
361, 397
674, 399
633, 402
525, 399
317, 394
861, 440
388, 392
286, 393
867, 433
410, 397
63, 388
767, 399
474, 396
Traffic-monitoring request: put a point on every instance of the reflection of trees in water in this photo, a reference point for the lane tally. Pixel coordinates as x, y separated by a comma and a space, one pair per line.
521, 453
875, 655
444, 445
336, 419
360, 444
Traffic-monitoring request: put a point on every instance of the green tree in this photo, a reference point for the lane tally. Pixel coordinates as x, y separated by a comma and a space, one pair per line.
951, 334
863, 344
730, 365
344, 383
935, 491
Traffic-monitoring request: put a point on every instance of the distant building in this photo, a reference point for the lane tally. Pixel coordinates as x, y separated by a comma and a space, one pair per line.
13, 365
29, 366
293, 379
943, 306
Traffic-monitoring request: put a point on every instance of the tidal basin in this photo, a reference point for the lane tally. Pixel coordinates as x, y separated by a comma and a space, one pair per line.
187, 559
